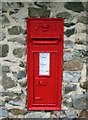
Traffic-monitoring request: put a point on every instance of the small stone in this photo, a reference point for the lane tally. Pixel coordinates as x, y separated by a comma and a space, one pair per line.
20, 4
80, 38
7, 99
21, 74
5, 20
83, 114
78, 58
69, 24
11, 94
3, 112
19, 39
4, 7
22, 14
80, 54
19, 52
71, 113
68, 56
14, 73
16, 90
75, 6
16, 101
64, 15
68, 44
41, 4
71, 76
7, 82
80, 27
38, 115
83, 19
72, 38
80, 47
4, 49
80, 101
62, 114
2, 36
56, 114
70, 87
14, 5
69, 20
22, 64
2, 103
1, 88
67, 102
84, 85
16, 30
84, 52
23, 83
69, 32
5, 69
13, 11
17, 111
72, 65
38, 12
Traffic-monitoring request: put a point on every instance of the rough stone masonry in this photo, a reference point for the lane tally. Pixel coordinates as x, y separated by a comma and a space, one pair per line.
13, 81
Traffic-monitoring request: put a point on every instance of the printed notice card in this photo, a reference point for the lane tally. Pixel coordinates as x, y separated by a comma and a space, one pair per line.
44, 63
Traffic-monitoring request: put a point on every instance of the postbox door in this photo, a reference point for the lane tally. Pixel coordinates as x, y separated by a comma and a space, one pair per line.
45, 78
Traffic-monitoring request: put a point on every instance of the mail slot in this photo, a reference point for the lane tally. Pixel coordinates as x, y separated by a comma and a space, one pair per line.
44, 63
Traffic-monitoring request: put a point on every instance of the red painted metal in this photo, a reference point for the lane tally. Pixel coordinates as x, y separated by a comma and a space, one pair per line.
44, 37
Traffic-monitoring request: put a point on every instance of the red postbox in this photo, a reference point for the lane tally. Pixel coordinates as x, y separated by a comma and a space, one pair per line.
44, 63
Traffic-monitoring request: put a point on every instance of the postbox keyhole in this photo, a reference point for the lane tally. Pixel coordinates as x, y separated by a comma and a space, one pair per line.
39, 82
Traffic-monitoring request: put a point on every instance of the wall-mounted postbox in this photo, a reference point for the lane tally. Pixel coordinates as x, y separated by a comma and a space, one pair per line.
44, 63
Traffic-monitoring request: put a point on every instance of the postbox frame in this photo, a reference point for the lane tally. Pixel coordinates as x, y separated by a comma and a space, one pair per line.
30, 68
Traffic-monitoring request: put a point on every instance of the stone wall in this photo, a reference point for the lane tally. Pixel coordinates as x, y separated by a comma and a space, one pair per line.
13, 81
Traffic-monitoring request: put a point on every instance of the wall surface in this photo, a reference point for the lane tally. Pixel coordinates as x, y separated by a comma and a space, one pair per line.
13, 81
